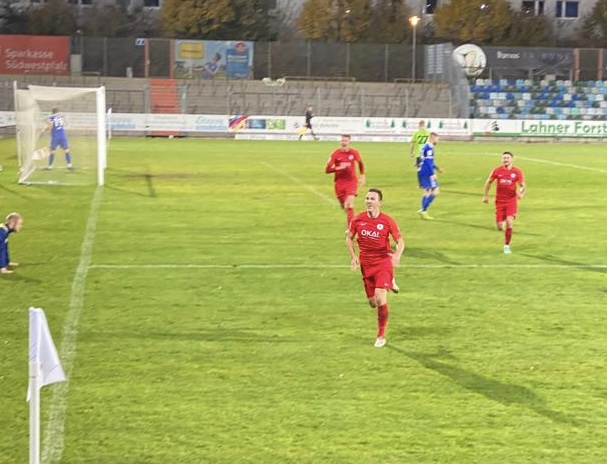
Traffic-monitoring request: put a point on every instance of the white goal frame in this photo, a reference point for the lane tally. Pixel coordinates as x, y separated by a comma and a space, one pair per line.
25, 102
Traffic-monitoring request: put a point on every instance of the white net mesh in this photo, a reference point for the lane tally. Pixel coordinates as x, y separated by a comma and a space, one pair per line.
65, 148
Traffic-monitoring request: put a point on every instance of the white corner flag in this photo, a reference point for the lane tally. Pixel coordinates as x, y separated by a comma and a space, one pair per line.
44, 369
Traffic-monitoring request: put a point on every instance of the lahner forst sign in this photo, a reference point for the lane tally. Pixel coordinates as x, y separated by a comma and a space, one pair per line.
564, 128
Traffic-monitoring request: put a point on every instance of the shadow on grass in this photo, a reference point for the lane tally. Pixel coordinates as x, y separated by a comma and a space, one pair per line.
15, 192
432, 254
565, 262
503, 393
146, 176
461, 193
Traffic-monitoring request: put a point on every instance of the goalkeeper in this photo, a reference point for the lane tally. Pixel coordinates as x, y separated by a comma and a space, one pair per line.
56, 124
12, 224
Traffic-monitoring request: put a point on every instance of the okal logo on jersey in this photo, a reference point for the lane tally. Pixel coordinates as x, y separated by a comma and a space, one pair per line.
369, 233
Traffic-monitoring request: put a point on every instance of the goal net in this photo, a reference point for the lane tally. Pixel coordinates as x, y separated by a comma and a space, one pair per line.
61, 135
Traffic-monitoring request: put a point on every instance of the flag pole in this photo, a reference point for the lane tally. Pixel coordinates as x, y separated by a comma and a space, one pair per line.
34, 412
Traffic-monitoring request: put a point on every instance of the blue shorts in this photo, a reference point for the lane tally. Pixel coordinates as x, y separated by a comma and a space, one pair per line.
427, 183
59, 142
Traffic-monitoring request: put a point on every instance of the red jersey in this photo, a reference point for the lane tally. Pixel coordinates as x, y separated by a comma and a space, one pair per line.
349, 155
373, 236
506, 182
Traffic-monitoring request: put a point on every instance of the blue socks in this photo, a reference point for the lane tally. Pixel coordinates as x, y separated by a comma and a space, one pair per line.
427, 201
68, 157
51, 159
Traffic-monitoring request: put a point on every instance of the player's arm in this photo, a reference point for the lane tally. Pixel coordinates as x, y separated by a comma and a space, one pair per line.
330, 167
522, 187
400, 244
4, 259
488, 183
354, 262
46, 127
361, 169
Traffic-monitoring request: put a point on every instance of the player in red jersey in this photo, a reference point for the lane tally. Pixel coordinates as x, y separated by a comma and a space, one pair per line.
342, 163
506, 195
372, 230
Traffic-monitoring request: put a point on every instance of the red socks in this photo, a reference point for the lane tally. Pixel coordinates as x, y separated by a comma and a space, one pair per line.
508, 235
382, 319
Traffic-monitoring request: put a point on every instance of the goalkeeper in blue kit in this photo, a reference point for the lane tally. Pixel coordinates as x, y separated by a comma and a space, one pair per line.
56, 124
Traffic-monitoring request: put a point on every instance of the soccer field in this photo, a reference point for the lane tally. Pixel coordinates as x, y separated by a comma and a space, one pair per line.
204, 310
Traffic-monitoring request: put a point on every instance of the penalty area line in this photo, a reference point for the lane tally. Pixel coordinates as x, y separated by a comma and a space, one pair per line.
552, 163
342, 266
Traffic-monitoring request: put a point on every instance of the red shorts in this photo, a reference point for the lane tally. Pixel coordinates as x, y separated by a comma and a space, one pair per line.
377, 276
344, 190
505, 209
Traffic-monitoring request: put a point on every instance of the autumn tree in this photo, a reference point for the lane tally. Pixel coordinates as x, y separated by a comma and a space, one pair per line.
335, 20
390, 22
530, 31
54, 18
482, 22
251, 21
197, 18
594, 28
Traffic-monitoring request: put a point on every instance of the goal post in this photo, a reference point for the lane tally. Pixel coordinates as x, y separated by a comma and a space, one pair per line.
61, 135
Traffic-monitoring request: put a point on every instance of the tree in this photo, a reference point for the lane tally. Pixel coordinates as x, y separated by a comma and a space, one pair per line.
482, 22
390, 22
530, 31
54, 18
13, 18
105, 21
197, 18
594, 27
251, 21
335, 20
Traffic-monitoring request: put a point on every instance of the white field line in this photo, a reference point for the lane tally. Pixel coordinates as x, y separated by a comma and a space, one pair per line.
342, 266
553, 163
308, 187
52, 447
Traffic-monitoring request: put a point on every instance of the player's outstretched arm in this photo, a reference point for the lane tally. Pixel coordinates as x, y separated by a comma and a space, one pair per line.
486, 190
354, 262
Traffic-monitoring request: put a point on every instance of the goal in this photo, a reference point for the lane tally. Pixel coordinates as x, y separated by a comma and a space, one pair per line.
61, 135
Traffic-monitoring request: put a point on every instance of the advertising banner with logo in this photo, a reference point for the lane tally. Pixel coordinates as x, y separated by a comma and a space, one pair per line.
24, 54
533, 128
520, 61
208, 59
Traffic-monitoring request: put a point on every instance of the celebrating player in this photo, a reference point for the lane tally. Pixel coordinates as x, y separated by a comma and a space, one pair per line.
372, 230
506, 195
342, 163
12, 223
56, 124
427, 176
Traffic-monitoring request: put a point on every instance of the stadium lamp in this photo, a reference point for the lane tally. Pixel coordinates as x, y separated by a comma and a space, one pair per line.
414, 20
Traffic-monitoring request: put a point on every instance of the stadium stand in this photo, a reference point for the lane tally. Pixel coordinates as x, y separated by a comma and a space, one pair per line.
330, 98
526, 99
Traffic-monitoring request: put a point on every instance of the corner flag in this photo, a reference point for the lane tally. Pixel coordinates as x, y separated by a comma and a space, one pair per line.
44, 369
43, 351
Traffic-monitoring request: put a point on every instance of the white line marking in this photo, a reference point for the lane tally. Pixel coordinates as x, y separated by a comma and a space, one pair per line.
52, 448
553, 163
343, 266
308, 187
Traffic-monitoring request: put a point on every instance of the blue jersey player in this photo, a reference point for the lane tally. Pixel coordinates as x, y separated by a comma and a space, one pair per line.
427, 176
12, 224
56, 124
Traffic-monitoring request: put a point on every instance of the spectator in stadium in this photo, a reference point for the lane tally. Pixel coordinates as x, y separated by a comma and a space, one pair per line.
342, 164
427, 175
12, 223
56, 124
372, 230
308, 124
506, 195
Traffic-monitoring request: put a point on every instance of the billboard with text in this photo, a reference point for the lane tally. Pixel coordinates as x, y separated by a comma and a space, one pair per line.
29, 54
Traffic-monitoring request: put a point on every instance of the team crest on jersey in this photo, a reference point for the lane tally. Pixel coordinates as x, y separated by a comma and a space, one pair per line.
380, 227
351, 157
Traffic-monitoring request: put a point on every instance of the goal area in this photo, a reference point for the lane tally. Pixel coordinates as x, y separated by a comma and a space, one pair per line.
61, 135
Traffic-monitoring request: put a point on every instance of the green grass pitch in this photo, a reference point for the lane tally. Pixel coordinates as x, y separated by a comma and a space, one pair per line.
203, 308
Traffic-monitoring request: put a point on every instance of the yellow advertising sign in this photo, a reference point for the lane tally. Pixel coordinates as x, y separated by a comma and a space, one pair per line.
191, 50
